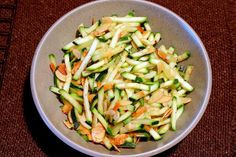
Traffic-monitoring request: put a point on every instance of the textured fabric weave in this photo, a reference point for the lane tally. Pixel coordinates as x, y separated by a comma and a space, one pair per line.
23, 133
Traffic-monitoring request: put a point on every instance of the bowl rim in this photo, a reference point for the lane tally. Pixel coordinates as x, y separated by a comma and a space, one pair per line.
92, 152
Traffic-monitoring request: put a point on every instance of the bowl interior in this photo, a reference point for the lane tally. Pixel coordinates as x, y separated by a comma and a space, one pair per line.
174, 33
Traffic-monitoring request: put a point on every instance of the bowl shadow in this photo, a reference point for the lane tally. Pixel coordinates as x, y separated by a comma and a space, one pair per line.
42, 135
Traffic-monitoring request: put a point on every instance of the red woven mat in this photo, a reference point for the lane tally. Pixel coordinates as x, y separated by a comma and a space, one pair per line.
23, 133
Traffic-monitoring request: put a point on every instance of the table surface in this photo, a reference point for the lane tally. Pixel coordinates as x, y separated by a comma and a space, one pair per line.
24, 22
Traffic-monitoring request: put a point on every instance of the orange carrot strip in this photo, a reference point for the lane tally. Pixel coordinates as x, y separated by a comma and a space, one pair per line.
78, 82
90, 97
162, 55
147, 128
90, 137
79, 92
139, 111
83, 80
155, 128
66, 108
132, 133
52, 67
123, 33
108, 86
116, 107
119, 139
140, 29
85, 53
76, 67
62, 68
85, 131
99, 84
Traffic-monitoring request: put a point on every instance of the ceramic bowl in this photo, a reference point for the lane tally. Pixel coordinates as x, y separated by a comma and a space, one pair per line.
175, 31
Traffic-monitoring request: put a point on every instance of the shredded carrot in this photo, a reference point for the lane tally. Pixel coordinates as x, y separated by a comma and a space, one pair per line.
79, 92
76, 67
85, 131
52, 67
132, 134
99, 84
90, 137
162, 55
141, 94
155, 128
97, 33
145, 33
85, 53
139, 111
62, 68
116, 107
119, 139
90, 97
78, 82
83, 80
140, 29
66, 108
108, 86
147, 128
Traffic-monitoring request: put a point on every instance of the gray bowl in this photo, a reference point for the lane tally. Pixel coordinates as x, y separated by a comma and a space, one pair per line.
175, 31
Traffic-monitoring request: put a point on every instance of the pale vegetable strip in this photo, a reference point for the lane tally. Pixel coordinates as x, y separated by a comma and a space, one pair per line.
68, 71
86, 60
88, 113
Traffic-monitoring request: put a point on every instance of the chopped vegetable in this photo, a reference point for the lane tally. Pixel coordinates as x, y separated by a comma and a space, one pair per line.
118, 86
98, 133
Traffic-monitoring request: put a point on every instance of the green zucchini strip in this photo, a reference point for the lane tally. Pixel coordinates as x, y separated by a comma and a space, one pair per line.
88, 113
86, 60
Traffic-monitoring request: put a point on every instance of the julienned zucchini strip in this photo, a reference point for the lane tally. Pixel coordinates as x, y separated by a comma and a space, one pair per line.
85, 62
117, 84
70, 99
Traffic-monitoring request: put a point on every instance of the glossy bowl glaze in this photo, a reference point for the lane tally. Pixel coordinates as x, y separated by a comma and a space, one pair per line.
175, 31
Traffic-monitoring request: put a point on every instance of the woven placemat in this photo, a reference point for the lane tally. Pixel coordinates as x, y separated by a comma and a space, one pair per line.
7, 15
231, 18
23, 133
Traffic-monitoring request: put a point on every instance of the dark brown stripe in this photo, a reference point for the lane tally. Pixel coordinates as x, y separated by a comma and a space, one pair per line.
231, 10
7, 34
